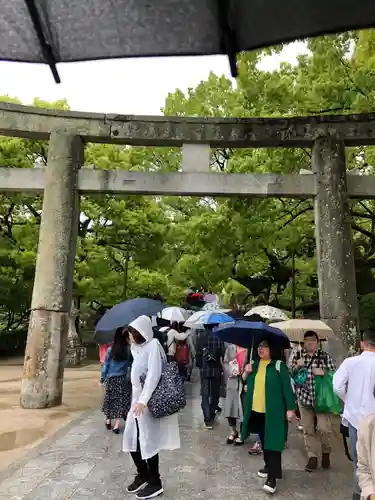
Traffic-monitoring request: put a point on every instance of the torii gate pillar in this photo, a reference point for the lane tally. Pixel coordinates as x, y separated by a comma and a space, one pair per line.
42, 382
336, 270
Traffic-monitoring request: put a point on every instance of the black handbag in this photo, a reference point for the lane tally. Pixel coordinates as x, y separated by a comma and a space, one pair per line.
169, 396
344, 431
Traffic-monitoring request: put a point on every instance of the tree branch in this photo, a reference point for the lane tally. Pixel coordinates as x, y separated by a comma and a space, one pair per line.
295, 216
34, 212
356, 227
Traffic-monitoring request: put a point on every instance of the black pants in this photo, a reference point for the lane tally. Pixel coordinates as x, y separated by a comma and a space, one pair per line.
210, 392
298, 413
272, 459
147, 469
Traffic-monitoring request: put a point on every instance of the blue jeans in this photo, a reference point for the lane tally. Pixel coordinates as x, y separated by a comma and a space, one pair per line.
353, 450
210, 393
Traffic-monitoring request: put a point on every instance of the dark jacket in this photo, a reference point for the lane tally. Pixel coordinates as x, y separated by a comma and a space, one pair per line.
209, 356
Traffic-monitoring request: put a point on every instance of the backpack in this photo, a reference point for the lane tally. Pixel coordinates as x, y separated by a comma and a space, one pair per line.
162, 337
182, 352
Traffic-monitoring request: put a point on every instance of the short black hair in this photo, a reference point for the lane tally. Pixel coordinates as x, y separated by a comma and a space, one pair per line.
369, 337
311, 333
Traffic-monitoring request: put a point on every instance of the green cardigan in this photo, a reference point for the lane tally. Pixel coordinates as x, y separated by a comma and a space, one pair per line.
279, 399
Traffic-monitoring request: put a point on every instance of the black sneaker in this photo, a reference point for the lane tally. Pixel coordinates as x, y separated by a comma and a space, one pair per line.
150, 491
208, 425
326, 462
270, 486
136, 485
263, 472
312, 464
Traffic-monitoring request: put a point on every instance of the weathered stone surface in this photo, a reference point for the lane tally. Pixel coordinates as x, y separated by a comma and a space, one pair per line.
38, 123
196, 157
168, 183
199, 184
75, 355
59, 225
184, 183
87, 464
42, 381
336, 271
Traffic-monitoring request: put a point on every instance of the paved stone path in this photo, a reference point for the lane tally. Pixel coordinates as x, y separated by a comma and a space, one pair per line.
85, 462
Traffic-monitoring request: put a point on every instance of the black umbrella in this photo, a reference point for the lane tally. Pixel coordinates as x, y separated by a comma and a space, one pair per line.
247, 334
126, 312
103, 338
47, 31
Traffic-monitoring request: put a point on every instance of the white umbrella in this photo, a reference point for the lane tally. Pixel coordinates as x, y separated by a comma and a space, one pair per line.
296, 329
174, 314
268, 312
211, 306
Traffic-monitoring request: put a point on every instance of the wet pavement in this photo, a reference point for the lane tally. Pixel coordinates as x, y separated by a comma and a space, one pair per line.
22, 430
83, 461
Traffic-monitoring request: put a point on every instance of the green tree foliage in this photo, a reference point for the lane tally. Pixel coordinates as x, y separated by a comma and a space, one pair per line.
131, 246
263, 237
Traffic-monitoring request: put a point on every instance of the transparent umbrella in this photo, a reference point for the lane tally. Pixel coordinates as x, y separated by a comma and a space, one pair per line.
268, 312
178, 314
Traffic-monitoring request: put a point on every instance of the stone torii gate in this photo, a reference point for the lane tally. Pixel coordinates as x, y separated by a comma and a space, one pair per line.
62, 181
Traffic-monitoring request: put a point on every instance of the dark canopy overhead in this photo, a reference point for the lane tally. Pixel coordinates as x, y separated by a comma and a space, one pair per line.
53, 31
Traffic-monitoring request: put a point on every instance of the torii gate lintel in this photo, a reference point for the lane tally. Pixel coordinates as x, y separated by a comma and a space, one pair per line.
328, 184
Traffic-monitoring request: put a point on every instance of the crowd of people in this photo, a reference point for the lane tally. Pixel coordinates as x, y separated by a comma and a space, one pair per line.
265, 389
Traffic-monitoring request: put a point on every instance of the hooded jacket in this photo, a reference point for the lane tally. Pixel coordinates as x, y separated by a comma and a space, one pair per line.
154, 434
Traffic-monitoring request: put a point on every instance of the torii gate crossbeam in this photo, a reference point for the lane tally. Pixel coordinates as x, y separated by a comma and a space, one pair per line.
62, 181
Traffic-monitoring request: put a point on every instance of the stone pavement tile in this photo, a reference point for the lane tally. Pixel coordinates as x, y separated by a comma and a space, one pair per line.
26, 478
107, 481
88, 464
62, 482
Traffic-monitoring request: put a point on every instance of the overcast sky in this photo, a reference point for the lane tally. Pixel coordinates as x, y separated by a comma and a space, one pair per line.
130, 86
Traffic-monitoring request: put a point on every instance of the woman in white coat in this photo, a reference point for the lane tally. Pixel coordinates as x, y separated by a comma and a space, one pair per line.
145, 436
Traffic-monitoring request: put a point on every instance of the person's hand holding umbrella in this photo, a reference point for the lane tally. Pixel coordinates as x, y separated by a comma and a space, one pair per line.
248, 369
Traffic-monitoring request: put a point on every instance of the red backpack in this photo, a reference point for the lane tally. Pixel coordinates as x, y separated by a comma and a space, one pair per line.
182, 352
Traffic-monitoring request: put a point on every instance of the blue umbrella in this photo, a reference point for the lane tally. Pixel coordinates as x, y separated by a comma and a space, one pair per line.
202, 318
247, 334
126, 312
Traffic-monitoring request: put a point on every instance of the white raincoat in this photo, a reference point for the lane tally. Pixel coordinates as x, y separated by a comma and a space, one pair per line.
155, 434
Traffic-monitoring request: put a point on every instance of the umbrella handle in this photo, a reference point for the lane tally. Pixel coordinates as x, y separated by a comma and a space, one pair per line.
251, 351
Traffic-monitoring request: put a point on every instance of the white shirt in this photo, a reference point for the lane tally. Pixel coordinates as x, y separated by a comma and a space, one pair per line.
354, 382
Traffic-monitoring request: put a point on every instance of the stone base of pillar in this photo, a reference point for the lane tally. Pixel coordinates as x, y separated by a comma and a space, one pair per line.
42, 382
75, 355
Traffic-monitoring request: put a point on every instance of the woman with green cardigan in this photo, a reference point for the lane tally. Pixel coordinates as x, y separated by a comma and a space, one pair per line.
269, 405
